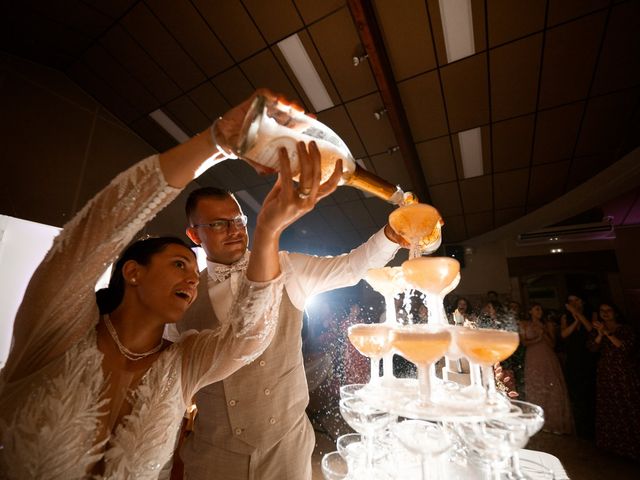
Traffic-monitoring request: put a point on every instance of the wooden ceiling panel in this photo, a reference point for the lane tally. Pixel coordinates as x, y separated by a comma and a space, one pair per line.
263, 70
249, 176
547, 183
56, 80
583, 168
437, 160
337, 41
377, 135
259, 192
188, 115
407, 37
424, 106
156, 40
509, 20
357, 214
222, 176
76, 15
478, 223
346, 194
102, 63
563, 10
510, 188
556, 133
338, 120
508, 215
466, 92
391, 168
233, 85
233, 25
35, 37
190, 30
476, 194
379, 210
446, 198
454, 229
102, 92
312, 10
618, 66
209, 100
514, 77
569, 59
478, 19
153, 134
276, 19
106, 157
62, 132
333, 215
605, 122
512, 141
112, 8
132, 57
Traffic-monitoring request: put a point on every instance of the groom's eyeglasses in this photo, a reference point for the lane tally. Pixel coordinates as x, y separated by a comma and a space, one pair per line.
223, 225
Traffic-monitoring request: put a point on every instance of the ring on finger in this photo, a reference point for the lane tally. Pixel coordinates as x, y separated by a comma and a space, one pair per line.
304, 193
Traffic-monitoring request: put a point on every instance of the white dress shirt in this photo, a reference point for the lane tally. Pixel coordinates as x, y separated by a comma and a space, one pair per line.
308, 275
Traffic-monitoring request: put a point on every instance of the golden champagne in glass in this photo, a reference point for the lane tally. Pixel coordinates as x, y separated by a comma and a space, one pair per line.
371, 340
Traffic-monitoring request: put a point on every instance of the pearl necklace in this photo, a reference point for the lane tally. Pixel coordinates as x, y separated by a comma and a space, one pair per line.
124, 350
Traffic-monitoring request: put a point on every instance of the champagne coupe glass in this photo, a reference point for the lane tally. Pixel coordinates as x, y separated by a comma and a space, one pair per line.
493, 341
388, 282
421, 345
492, 440
532, 416
352, 390
371, 340
426, 439
420, 225
334, 467
352, 449
435, 277
367, 420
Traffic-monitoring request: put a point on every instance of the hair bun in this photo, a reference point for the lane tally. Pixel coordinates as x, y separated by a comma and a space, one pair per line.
106, 300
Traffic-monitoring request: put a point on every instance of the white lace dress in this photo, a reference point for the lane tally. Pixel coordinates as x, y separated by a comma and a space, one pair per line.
52, 402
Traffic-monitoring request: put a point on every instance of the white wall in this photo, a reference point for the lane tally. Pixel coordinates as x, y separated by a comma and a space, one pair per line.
23, 245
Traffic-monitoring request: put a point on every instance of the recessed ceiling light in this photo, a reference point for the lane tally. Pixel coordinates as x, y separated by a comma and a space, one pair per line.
471, 152
457, 25
298, 59
169, 125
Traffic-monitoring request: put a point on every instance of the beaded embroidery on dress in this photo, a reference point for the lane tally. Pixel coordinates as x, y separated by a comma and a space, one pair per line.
52, 387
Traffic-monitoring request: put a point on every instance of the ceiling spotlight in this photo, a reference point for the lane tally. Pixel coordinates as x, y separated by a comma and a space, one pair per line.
556, 250
358, 59
392, 150
379, 113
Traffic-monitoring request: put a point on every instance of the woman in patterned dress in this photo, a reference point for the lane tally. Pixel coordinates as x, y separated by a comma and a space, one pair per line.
86, 394
618, 384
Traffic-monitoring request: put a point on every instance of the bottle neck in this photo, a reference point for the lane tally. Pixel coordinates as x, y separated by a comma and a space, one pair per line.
371, 183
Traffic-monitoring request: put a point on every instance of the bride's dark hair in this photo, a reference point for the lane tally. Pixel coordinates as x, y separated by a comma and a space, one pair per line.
141, 251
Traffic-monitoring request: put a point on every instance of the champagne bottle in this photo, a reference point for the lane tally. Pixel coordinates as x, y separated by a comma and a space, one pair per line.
270, 125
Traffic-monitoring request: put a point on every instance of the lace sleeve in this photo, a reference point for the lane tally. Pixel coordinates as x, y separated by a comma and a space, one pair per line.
210, 356
59, 304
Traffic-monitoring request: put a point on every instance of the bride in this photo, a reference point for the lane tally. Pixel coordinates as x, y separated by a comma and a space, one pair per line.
90, 389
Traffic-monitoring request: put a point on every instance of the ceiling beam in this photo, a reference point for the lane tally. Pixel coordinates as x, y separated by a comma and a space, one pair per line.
369, 32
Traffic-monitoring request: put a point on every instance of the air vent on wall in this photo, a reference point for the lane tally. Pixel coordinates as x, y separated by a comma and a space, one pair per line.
569, 233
